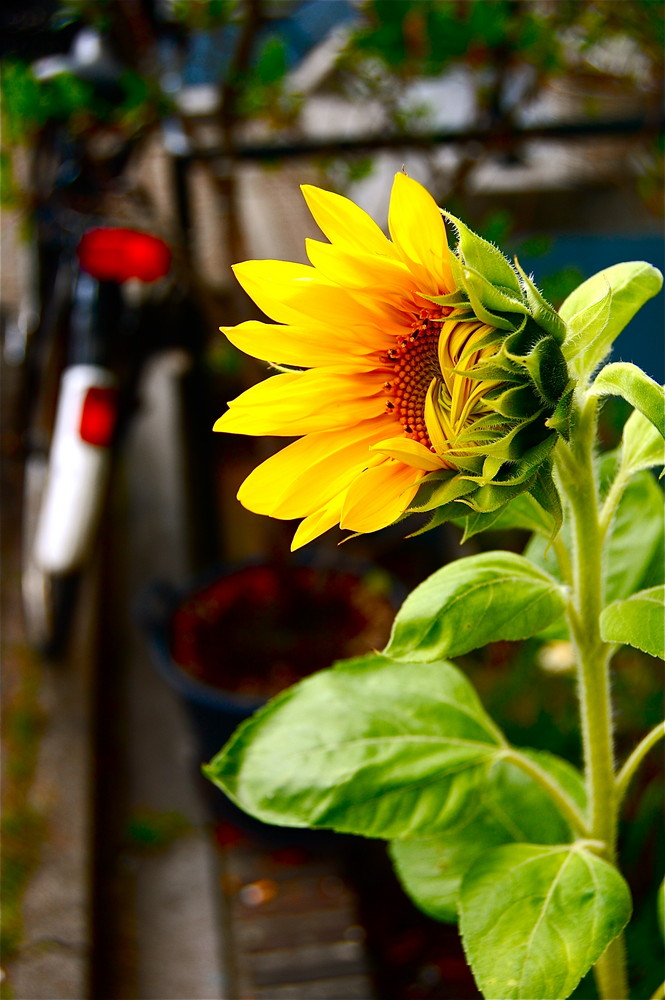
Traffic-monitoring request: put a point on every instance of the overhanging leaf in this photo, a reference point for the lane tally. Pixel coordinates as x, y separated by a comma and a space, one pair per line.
535, 919
371, 746
631, 383
599, 309
473, 601
638, 621
588, 338
642, 445
509, 807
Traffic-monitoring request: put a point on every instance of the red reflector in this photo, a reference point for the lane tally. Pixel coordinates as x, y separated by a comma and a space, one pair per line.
121, 254
98, 416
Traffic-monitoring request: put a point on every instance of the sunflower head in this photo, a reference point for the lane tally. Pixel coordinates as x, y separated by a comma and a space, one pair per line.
418, 378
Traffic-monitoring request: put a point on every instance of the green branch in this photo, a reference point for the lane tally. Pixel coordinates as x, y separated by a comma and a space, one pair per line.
561, 799
637, 756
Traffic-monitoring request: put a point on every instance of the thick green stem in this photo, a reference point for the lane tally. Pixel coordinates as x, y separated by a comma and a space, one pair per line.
578, 478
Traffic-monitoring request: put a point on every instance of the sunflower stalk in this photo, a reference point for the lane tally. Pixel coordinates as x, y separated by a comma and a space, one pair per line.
578, 476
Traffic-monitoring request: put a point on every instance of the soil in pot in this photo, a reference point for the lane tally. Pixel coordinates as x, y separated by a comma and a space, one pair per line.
262, 628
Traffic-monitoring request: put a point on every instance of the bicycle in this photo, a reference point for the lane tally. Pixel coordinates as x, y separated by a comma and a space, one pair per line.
105, 296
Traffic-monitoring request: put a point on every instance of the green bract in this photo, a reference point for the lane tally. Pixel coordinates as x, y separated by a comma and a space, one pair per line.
507, 451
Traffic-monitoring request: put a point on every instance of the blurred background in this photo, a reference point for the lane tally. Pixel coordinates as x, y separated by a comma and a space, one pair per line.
540, 123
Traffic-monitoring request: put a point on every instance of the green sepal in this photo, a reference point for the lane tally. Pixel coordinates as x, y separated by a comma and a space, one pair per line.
491, 468
632, 384
456, 298
541, 310
439, 490
535, 919
496, 320
517, 401
496, 369
519, 345
546, 495
484, 257
494, 495
494, 298
491, 304
448, 512
560, 420
475, 523
471, 464
530, 463
512, 446
548, 369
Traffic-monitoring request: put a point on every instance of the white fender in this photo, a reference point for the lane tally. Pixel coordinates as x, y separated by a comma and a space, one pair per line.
76, 480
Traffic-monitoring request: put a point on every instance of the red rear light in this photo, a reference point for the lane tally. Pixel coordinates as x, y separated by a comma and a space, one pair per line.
98, 416
121, 254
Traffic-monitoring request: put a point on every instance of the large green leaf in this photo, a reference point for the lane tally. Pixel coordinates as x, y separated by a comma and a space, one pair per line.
509, 807
632, 384
473, 601
535, 919
599, 309
638, 621
371, 746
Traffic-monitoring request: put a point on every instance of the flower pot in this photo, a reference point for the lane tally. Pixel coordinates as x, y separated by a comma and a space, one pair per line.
236, 637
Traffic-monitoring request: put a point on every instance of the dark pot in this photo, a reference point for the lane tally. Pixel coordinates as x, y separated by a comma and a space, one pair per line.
235, 637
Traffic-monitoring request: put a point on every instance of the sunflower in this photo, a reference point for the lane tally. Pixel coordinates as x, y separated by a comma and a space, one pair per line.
395, 370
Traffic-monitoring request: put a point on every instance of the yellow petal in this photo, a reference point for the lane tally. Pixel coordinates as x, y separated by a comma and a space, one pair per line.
316, 524
379, 275
438, 427
418, 231
409, 452
292, 293
303, 346
309, 473
379, 495
344, 223
320, 399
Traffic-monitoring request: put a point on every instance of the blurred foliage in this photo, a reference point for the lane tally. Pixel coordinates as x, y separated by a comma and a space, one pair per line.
509, 50
149, 830
424, 37
29, 103
22, 828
